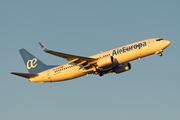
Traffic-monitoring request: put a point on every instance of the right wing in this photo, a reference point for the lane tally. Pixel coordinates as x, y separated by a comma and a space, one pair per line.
79, 60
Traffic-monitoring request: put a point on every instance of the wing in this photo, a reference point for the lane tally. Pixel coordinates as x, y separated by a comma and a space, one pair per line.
79, 60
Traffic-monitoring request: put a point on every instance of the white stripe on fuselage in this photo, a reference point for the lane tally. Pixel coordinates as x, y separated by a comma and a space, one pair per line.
121, 54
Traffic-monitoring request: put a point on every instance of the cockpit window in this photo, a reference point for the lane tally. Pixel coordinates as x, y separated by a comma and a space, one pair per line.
159, 39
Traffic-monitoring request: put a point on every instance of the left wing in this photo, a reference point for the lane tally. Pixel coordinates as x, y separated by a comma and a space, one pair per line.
87, 63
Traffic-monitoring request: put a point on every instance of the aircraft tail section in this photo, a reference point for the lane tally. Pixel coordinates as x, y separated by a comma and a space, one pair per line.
26, 75
32, 63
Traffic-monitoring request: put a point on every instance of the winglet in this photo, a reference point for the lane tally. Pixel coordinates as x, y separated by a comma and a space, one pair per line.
44, 48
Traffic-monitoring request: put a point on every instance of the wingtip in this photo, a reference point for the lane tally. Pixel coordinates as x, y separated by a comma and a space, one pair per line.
41, 45
44, 48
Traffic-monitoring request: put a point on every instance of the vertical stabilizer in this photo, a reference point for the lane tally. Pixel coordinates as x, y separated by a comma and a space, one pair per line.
32, 63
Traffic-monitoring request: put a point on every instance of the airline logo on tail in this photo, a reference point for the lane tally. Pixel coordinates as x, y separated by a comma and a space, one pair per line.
31, 63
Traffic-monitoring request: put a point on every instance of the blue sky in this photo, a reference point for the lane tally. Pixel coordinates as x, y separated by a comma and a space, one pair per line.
150, 90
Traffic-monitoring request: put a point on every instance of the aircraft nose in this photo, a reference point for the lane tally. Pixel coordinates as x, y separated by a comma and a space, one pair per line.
166, 43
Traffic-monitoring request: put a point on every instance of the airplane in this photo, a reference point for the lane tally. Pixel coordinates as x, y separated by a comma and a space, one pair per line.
112, 61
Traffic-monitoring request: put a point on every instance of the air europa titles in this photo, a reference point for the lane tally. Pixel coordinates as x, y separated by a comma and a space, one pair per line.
129, 48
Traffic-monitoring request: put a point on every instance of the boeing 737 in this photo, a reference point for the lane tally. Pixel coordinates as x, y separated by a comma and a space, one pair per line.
112, 61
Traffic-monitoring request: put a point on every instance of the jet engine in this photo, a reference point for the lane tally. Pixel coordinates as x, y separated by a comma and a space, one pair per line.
105, 61
122, 68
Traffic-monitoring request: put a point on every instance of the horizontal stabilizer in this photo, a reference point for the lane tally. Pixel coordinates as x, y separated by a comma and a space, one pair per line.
26, 75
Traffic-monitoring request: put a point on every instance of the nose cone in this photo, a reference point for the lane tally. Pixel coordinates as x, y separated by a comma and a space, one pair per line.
166, 43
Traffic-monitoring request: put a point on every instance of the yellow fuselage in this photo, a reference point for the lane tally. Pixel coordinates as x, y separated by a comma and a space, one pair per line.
122, 54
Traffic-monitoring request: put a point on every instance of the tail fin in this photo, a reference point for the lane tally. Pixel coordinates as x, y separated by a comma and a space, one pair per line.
33, 64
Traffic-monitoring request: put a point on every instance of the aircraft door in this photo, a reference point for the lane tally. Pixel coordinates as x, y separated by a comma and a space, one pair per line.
49, 75
149, 43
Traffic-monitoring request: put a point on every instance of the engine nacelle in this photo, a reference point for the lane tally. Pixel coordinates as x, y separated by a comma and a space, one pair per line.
122, 68
105, 61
